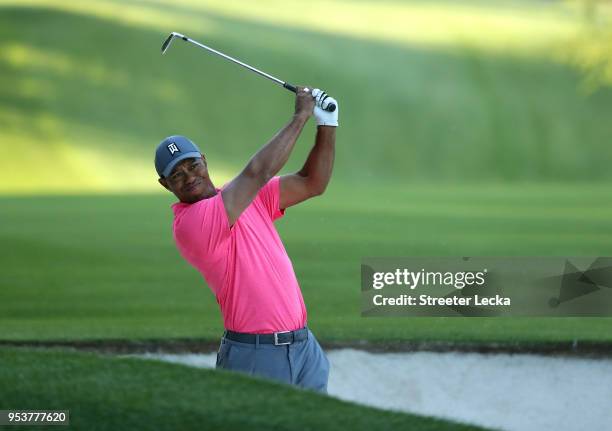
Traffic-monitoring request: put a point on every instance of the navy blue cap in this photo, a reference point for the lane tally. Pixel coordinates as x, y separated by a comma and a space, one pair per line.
172, 150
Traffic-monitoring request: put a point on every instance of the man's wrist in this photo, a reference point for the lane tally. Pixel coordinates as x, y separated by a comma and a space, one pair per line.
301, 116
326, 130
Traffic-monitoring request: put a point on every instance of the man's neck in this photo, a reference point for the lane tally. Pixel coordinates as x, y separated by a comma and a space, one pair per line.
209, 192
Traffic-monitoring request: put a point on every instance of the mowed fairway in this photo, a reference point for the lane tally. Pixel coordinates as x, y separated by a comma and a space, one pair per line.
434, 117
93, 267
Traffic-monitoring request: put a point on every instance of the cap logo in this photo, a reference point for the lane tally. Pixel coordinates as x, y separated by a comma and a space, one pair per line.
173, 148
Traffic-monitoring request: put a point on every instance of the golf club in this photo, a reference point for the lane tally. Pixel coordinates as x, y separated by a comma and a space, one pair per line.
330, 107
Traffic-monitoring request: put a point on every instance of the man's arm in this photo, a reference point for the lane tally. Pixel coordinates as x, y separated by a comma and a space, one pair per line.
314, 176
241, 191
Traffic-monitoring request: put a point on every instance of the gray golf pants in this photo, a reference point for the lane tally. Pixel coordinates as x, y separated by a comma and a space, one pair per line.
302, 363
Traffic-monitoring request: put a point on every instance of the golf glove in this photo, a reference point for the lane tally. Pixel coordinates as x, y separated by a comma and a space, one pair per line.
323, 117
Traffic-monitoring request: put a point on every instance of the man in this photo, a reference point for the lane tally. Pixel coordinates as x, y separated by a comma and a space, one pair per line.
229, 236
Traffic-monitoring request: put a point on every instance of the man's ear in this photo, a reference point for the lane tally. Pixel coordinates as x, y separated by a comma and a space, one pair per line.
164, 183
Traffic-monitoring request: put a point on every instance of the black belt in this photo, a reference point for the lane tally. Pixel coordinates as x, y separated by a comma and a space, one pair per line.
277, 338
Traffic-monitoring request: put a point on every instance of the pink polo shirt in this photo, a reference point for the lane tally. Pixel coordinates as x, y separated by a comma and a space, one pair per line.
246, 266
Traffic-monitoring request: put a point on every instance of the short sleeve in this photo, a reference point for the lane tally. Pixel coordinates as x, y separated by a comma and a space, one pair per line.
202, 229
269, 195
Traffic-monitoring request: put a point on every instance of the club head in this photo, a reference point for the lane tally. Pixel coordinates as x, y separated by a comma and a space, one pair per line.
168, 41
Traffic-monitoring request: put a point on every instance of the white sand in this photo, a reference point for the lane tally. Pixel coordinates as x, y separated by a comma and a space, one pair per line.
508, 392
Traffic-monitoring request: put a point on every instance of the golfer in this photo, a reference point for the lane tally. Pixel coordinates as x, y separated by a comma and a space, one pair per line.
228, 235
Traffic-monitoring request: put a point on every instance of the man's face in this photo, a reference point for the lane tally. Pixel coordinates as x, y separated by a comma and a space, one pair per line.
188, 180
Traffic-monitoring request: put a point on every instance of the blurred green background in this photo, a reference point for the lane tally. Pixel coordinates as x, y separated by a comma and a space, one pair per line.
466, 128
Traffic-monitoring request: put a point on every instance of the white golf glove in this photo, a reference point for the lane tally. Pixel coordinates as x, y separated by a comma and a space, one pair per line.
323, 117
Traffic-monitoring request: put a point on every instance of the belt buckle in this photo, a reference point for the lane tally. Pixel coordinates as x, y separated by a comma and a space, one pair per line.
276, 343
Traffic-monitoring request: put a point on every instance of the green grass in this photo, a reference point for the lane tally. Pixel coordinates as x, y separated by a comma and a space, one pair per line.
440, 102
432, 94
106, 393
428, 90
94, 267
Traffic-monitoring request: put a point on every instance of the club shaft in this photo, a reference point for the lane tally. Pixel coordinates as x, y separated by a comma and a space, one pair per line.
330, 106
227, 57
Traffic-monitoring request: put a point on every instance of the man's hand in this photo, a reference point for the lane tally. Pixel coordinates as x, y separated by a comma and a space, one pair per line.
323, 117
304, 102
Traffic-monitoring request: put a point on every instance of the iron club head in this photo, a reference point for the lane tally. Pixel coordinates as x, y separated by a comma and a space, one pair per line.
168, 41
